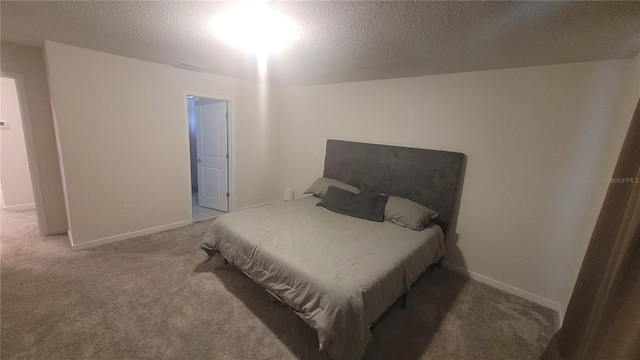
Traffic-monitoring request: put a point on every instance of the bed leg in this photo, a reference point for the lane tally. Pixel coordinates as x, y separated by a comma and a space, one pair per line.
210, 251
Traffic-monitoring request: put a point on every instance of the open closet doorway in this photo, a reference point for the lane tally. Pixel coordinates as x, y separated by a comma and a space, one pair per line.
16, 177
209, 156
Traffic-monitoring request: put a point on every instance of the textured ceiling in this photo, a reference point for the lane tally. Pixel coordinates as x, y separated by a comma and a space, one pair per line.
343, 41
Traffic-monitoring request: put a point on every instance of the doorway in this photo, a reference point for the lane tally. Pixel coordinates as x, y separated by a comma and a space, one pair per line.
16, 189
209, 156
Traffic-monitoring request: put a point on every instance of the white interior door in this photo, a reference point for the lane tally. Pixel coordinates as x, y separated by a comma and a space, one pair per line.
211, 144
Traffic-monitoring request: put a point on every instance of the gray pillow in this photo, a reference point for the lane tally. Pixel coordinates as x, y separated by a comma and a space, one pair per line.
364, 206
407, 213
320, 186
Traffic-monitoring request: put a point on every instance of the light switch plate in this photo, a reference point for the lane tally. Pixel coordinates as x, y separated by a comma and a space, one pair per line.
4, 124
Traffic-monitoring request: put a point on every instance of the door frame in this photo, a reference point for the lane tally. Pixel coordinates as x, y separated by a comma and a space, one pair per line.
31, 149
230, 145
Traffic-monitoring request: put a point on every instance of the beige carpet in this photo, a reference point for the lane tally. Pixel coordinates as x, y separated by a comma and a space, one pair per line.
154, 298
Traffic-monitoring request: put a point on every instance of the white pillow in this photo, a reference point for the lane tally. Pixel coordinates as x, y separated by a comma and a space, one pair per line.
320, 186
407, 213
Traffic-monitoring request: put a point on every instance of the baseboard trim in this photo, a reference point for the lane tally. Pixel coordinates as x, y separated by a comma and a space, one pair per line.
258, 205
508, 288
19, 207
127, 236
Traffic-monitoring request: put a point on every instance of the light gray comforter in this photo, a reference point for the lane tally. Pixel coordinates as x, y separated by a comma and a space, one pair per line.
339, 273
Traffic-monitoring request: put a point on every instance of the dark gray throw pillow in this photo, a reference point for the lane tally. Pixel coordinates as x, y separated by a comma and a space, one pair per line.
364, 206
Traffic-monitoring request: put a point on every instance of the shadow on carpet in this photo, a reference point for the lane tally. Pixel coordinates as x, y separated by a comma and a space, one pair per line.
399, 334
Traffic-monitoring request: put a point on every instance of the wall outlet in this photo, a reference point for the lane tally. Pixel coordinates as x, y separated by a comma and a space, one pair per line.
127, 208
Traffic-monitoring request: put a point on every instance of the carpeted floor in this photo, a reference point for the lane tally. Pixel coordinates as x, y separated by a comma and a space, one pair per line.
154, 298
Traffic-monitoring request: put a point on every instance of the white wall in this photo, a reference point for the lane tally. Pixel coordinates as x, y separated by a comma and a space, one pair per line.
15, 177
28, 62
540, 142
615, 130
122, 128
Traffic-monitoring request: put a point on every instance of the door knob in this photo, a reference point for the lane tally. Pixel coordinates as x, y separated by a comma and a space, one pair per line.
199, 160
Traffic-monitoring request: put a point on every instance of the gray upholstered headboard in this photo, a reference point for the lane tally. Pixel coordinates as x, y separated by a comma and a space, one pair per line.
429, 177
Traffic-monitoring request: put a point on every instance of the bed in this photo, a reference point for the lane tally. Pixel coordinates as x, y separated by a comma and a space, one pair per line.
341, 273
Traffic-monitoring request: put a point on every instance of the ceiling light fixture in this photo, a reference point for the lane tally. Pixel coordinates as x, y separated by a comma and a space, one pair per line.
255, 28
